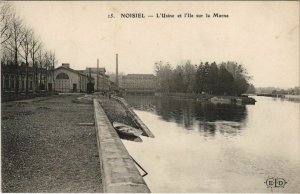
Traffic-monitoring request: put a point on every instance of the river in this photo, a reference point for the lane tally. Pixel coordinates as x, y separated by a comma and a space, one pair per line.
204, 147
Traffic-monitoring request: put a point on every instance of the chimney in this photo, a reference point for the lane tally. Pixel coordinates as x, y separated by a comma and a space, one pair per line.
66, 65
117, 73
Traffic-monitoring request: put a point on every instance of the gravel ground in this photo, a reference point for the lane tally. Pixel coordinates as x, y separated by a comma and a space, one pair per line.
45, 150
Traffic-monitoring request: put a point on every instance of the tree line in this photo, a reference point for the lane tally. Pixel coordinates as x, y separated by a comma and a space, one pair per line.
226, 78
276, 90
22, 52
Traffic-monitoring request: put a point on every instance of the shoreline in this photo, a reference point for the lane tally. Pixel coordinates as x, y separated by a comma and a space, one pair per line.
211, 98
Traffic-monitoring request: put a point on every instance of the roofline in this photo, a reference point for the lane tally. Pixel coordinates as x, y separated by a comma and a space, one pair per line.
95, 68
71, 70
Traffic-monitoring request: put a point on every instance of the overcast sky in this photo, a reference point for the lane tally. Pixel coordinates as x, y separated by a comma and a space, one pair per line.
263, 36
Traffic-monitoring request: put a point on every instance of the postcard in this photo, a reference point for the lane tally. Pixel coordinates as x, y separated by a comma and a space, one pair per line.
150, 96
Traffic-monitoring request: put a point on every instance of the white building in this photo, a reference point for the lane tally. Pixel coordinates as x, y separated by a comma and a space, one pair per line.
69, 80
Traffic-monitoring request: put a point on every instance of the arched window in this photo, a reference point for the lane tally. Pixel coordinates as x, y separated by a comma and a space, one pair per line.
62, 76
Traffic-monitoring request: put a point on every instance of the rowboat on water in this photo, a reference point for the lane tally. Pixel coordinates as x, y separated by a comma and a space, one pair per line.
126, 130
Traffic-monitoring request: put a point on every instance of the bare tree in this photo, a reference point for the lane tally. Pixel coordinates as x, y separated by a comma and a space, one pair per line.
5, 32
46, 65
53, 62
6, 15
40, 60
18, 45
5, 56
35, 46
25, 51
13, 44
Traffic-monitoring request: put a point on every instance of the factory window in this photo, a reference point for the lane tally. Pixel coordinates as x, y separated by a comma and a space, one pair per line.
62, 76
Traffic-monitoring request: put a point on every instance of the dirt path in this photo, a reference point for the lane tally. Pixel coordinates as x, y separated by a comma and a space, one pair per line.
45, 150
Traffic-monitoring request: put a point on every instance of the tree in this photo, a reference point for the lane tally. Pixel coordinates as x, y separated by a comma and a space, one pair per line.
176, 84
213, 79
226, 81
53, 61
35, 46
240, 85
46, 66
26, 48
189, 72
40, 68
240, 76
206, 77
228, 78
6, 15
13, 44
6, 57
18, 46
251, 89
163, 73
200, 78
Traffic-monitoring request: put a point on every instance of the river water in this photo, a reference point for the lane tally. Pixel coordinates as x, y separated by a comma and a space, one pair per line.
204, 147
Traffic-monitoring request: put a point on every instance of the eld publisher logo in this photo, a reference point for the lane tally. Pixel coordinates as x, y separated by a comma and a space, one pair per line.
275, 182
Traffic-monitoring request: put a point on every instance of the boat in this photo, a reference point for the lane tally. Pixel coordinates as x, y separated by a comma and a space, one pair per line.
239, 101
232, 100
126, 129
221, 100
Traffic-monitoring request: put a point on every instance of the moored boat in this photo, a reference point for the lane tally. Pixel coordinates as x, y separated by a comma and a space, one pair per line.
221, 100
126, 129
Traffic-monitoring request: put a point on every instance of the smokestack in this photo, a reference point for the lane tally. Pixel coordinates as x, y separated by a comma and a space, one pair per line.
97, 74
117, 71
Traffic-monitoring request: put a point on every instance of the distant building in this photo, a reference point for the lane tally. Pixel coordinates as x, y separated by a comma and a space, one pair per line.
103, 80
13, 79
69, 80
139, 83
9, 77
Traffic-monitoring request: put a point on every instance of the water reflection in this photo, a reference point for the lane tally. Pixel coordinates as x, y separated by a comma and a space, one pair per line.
203, 116
229, 149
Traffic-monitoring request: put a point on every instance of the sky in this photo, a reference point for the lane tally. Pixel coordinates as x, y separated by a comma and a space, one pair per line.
262, 36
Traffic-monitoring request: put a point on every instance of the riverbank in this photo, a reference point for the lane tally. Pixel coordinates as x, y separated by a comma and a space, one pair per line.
187, 96
295, 98
116, 112
120, 173
44, 149
209, 97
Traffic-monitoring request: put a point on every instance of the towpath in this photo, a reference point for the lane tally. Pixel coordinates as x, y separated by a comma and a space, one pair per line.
44, 149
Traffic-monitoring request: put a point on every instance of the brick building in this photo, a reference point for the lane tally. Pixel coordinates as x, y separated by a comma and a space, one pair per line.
139, 83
